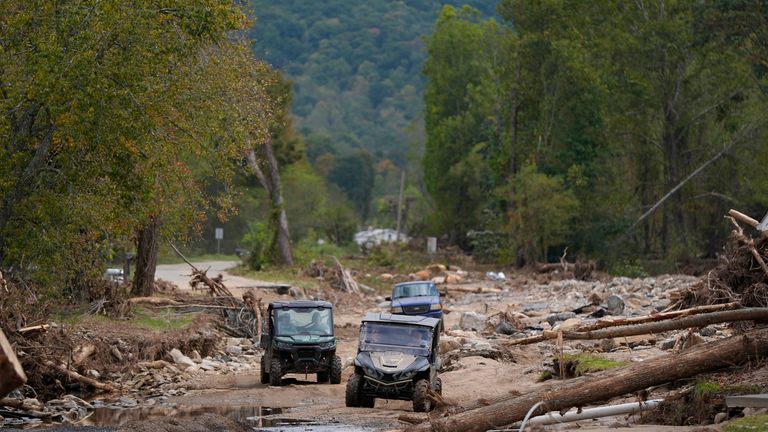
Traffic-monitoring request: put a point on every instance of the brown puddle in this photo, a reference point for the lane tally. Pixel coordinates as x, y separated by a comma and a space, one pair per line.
250, 415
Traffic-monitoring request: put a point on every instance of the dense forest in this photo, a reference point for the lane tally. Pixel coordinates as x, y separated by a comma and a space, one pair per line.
356, 69
621, 130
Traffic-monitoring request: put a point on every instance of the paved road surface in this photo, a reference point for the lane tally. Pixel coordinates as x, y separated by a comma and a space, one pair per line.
180, 275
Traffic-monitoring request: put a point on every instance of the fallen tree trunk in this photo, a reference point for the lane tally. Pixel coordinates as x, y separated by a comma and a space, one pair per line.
700, 320
749, 314
603, 323
11, 373
603, 386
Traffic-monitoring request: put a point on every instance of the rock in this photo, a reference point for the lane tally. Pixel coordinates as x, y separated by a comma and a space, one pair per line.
496, 277
386, 277
438, 280
473, 321
505, 328
668, 344
637, 303
448, 345
707, 331
194, 355
614, 305
180, 359
607, 345
533, 307
93, 373
234, 350
233, 341
594, 298
569, 324
721, 417
117, 354
482, 346
562, 316
453, 278
295, 292
128, 402
436, 269
192, 369
422, 275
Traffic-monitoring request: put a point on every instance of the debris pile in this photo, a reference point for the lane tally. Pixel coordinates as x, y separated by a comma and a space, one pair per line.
336, 276
741, 275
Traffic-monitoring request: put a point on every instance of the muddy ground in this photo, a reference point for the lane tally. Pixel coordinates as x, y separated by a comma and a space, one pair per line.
225, 399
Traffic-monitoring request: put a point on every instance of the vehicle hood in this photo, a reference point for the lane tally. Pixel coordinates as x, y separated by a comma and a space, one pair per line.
396, 365
415, 301
392, 361
305, 339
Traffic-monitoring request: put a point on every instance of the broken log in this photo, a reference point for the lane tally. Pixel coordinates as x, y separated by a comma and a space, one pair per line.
602, 386
701, 320
633, 329
743, 218
11, 373
603, 323
153, 300
81, 379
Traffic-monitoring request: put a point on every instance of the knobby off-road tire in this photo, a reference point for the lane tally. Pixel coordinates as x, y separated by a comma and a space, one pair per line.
275, 373
352, 394
335, 370
264, 372
421, 402
437, 387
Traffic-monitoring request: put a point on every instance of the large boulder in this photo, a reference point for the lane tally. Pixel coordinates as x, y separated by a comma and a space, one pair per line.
473, 321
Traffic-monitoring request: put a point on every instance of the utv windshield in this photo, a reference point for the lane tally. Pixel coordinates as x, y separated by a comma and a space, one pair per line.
414, 290
306, 321
396, 337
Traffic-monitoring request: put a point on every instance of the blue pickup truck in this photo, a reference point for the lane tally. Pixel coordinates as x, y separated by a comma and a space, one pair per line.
417, 298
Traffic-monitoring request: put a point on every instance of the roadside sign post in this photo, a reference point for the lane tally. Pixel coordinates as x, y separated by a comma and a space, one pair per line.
219, 236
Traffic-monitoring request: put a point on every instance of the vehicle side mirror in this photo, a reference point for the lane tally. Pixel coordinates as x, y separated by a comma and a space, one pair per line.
388, 298
264, 342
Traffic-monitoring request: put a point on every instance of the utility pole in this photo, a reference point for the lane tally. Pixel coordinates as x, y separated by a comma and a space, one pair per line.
400, 204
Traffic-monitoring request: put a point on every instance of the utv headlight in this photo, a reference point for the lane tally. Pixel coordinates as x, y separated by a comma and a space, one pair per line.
397, 309
283, 345
327, 345
435, 306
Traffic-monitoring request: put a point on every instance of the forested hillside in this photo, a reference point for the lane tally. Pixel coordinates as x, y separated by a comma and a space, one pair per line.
356, 68
622, 130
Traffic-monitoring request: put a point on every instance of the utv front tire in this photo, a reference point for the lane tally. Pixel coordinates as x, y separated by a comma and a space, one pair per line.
352, 394
275, 373
437, 387
264, 372
421, 402
335, 370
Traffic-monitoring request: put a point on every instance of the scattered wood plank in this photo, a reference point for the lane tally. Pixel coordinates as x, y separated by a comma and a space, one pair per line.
11, 373
602, 386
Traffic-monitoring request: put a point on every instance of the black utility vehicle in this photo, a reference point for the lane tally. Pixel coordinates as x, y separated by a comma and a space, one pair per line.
298, 338
396, 359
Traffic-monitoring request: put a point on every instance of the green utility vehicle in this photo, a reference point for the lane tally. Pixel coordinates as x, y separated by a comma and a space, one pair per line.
298, 337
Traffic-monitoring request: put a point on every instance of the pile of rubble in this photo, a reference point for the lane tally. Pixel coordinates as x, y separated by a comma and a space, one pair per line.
145, 383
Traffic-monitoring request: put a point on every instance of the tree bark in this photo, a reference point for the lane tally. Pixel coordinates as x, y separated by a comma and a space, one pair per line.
603, 386
272, 185
146, 258
11, 373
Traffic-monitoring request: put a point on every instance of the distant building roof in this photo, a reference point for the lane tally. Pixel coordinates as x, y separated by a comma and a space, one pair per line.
377, 236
